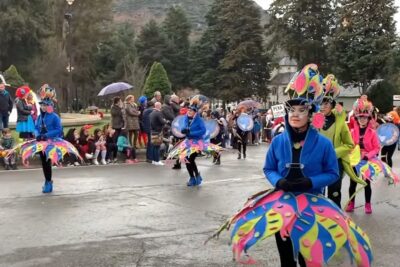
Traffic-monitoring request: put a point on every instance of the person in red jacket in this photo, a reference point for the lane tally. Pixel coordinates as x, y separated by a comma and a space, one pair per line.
364, 135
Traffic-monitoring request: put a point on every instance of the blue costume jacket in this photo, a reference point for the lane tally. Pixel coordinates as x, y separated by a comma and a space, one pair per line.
52, 124
317, 156
196, 127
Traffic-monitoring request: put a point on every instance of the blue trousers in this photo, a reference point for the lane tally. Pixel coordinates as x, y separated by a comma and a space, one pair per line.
156, 153
149, 149
4, 119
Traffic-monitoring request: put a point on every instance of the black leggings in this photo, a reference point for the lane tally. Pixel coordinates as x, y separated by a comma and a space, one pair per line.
387, 154
367, 191
334, 190
112, 150
285, 249
191, 165
46, 166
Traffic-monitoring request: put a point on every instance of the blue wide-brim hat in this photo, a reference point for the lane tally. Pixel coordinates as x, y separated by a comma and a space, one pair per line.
193, 107
46, 102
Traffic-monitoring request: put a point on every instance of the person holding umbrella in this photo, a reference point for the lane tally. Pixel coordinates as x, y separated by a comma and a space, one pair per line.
117, 116
132, 120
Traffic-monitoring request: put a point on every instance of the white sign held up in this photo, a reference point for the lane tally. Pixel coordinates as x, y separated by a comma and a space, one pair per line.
278, 111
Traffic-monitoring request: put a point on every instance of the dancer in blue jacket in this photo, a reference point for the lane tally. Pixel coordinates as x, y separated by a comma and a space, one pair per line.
300, 159
194, 131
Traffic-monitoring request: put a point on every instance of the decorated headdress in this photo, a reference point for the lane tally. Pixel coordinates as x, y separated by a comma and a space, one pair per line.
307, 90
199, 103
331, 89
22, 91
362, 107
47, 95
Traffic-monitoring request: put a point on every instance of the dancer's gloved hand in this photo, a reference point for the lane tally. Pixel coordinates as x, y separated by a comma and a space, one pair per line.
300, 184
41, 137
295, 185
186, 131
283, 184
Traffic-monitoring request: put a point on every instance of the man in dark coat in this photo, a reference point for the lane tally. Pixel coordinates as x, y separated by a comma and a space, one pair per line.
157, 123
147, 130
6, 104
167, 110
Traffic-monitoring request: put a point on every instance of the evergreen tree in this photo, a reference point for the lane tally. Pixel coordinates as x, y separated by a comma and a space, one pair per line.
177, 29
381, 94
243, 69
157, 80
206, 53
152, 45
23, 25
13, 78
113, 55
362, 45
301, 27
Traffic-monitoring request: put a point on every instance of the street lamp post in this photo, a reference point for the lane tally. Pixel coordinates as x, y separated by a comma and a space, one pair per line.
70, 68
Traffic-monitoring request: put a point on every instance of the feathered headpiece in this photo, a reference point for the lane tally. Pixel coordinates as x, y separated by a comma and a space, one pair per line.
362, 107
307, 87
47, 94
199, 103
307, 90
331, 88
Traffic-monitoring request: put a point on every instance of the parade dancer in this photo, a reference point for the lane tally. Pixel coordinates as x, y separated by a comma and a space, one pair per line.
194, 130
365, 136
48, 143
309, 228
241, 137
194, 144
336, 130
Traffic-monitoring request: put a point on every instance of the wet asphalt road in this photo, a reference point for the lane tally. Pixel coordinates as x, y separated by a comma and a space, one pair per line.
144, 215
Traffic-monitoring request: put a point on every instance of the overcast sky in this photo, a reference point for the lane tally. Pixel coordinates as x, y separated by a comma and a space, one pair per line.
265, 4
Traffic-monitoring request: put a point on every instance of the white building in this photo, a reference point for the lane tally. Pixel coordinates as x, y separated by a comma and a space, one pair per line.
280, 77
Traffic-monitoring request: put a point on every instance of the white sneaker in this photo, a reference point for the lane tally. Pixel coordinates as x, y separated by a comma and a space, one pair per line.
88, 156
159, 163
154, 162
95, 162
77, 163
103, 161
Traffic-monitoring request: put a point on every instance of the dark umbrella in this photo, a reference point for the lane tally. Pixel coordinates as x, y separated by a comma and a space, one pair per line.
115, 88
249, 104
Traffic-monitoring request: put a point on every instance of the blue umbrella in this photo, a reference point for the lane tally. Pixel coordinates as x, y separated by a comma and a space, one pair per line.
115, 88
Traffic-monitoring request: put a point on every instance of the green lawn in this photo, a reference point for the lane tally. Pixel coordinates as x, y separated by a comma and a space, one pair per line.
99, 124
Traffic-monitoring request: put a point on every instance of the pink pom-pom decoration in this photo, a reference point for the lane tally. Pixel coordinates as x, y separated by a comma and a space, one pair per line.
50, 109
318, 120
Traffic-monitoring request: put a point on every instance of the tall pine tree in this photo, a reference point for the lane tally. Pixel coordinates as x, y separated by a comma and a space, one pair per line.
301, 27
206, 53
152, 45
363, 43
157, 81
228, 61
177, 29
244, 67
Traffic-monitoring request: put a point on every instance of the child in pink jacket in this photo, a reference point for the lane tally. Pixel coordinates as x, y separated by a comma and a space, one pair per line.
364, 135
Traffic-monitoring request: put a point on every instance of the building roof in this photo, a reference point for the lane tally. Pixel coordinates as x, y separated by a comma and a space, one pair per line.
282, 78
287, 61
350, 91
